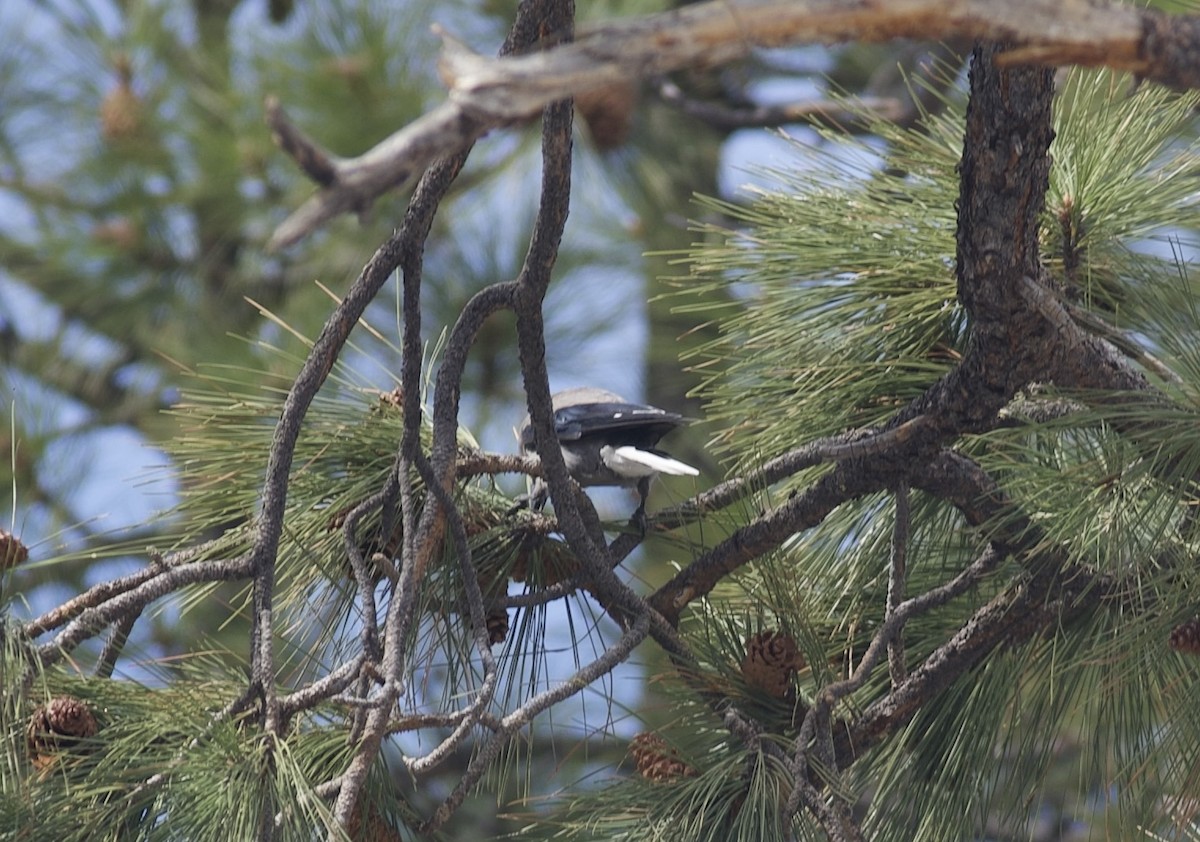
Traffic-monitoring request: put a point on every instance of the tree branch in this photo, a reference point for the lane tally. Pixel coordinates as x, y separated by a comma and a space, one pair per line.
487, 93
826, 112
898, 571
92, 621
419, 540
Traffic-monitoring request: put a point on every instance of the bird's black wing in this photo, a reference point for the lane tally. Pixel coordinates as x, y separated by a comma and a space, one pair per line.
574, 422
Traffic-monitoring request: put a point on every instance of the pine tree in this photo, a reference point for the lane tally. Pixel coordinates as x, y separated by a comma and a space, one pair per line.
947, 363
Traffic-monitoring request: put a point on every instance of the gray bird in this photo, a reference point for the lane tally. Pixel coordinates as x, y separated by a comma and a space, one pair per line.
606, 440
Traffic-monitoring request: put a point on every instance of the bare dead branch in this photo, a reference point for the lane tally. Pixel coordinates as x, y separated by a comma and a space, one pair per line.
115, 645
317, 164
898, 572
486, 93
92, 621
355, 183
827, 112
108, 590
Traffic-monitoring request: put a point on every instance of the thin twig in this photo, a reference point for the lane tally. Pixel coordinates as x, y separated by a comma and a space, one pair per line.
105, 591
366, 587
93, 620
859, 115
1008, 620
898, 572
1122, 340
474, 598
324, 688
608, 660
115, 645
931, 599
818, 716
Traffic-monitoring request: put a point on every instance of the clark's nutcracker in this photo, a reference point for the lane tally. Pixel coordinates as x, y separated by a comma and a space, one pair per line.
606, 440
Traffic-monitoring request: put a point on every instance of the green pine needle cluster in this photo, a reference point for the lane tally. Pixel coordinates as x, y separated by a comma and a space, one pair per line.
164, 766
218, 775
844, 310
344, 455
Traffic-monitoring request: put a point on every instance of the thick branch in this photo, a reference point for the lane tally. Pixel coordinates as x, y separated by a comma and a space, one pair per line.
1010, 619
845, 482
486, 93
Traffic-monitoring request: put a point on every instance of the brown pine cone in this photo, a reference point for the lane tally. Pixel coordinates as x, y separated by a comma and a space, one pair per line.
12, 550
121, 109
374, 829
57, 725
558, 563
393, 399
120, 232
497, 626
656, 760
1185, 637
770, 660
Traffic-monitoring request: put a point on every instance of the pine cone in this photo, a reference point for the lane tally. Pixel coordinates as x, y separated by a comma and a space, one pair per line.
393, 399
771, 658
121, 109
558, 563
608, 112
12, 550
374, 828
349, 68
657, 761
497, 626
119, 232
519, 571
1186, 637
55, 726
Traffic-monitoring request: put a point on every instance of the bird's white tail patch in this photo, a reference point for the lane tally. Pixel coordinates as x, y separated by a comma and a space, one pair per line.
633, 462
